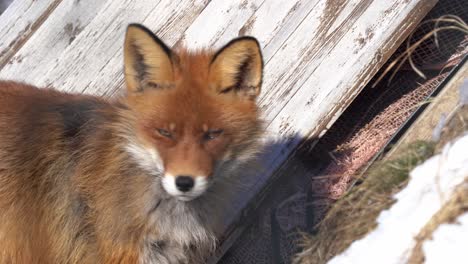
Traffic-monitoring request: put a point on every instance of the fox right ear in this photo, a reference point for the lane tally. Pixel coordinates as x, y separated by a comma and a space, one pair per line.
147, 60
236, 69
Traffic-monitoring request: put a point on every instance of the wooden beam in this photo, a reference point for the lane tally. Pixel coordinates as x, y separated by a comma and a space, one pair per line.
19, 22
97, 49
45, 46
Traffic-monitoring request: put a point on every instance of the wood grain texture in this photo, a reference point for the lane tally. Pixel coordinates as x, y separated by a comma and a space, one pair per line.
19, 21
51, 39
318, 55
220, 21
92, 62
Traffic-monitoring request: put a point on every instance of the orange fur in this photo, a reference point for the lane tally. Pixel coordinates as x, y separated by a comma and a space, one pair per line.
70, 192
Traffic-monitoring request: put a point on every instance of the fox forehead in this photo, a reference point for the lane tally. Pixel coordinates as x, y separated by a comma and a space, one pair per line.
192, 66
192, 100
180, 107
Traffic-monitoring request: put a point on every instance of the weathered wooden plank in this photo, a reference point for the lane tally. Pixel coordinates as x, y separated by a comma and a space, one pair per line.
271, 22
19, 22
275, 21
97, 50
92, 38
220, 21
309, 46
56, 34
169, 22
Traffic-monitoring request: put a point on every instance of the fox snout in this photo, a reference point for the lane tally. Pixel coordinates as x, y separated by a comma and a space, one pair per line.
184, 183
188, 169
185, 187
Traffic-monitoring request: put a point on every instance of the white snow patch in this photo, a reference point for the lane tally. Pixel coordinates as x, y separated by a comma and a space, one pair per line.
449, 243
429, 187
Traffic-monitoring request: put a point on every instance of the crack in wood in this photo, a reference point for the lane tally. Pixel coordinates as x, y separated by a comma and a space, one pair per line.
22, 38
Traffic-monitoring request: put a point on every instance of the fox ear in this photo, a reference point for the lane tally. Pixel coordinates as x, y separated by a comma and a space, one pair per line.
237, 68
147, 60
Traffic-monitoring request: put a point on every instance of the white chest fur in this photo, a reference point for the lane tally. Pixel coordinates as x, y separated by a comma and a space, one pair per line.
180, 236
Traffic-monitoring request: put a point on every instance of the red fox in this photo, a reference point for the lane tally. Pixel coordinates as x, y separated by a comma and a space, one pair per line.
134, 179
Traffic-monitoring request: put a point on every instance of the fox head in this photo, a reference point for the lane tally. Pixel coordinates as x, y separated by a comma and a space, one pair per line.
194, 111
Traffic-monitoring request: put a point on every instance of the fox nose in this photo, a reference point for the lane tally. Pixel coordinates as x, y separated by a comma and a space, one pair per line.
184, 183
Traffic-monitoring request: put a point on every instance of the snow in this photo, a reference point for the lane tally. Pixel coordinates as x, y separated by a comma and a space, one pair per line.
449, 243
429, 187
464, 93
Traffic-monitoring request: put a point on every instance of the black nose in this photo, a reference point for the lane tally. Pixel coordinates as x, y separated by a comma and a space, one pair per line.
184, 183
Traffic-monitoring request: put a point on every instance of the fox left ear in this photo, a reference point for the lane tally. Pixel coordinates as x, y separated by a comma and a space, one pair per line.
148, 61
237, 68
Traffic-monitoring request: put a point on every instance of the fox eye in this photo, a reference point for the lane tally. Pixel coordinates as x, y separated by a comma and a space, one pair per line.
164, 133
212, 134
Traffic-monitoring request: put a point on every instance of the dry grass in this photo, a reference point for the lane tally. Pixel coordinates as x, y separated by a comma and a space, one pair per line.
355, 214
453, 23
